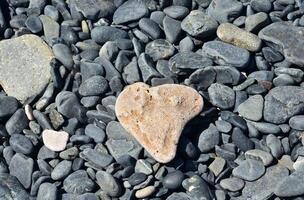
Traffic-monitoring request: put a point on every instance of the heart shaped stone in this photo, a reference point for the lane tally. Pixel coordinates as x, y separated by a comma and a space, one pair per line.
156, 116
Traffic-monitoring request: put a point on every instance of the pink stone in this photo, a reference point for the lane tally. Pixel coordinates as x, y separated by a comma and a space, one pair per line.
55, 140
156, 116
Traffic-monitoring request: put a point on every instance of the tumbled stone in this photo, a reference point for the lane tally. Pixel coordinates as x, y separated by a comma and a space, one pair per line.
103, 34
249, 170
92, 9
224, 10
27, 71
51, 28
199, 24
11, 188
234, 35
55, 140
183, 63
221, 95
159, 49
286, 38
283, 102
140, 109
108, 183
252, 108
130, 11
226, 54
78, 182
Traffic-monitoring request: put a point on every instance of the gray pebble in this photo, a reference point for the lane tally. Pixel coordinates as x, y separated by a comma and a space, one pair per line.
249, 170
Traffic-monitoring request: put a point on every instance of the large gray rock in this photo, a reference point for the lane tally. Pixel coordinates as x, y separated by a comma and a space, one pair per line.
286, 38
10, 188
130, 11
283, 102
263, 188
225, 10
24, 66
92, 9
226, 54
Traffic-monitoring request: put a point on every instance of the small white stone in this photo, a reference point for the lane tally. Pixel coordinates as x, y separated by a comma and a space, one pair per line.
29, 112
55, 140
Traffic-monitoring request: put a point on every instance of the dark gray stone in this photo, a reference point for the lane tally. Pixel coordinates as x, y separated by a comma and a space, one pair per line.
34, 24
146, 67
264, 187
97, 159
93, 9
108, 183
254, 23
17, 122
21, 144
266, 128
22, 168
232, 184
61, 170
159, 49
8, 106
241, 140
197, 188
102, 34
150, 27
283, 102
287, 39
249, 170
208, 139
131, 72
275, 146
252, 108
47, 191
199, 24
95, 132
225, 10
172, 29
88, 70
187, 62
63, 53
11, 189
291, 185
93, 86
173, 180
78, 182
137, 178
297, 122
129, 11
226, 54
221, 96
176, 12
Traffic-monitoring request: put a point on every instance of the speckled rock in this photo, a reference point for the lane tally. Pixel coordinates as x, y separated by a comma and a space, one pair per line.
26, 72
156, 116
234, 35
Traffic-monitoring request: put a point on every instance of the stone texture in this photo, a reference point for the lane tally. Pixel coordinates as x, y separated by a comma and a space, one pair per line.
55, 140
283, 102
130, 11
199, 24
252, 108
11, 188
156, 116
234, 35
95, 8
24, 66
286, 38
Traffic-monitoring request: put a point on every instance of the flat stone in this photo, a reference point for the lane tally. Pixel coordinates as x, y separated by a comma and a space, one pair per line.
129, 11
78, 183
260, 155
252, 108
234, 35
61, 170
96, 159
254, 23
22, 168
11, 188
184, 63
27, 71
217, 166
283, 102
51, 28
176, 12
8, 106
17, 122
93, 86
93, 9
21, 144
145, 192
159, 49
232, 184
108, 183
120, 142
286, 38
264, 187
103, 34
297, 122
173, 180
55, 140
199, 24
172, 29
197, 188
226, 54
291, 185
140, 108
208, 139
249, 170
224, 10
221, 96
63, 53
47, 191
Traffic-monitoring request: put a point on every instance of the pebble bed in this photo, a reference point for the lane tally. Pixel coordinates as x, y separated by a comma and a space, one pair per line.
244, 57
